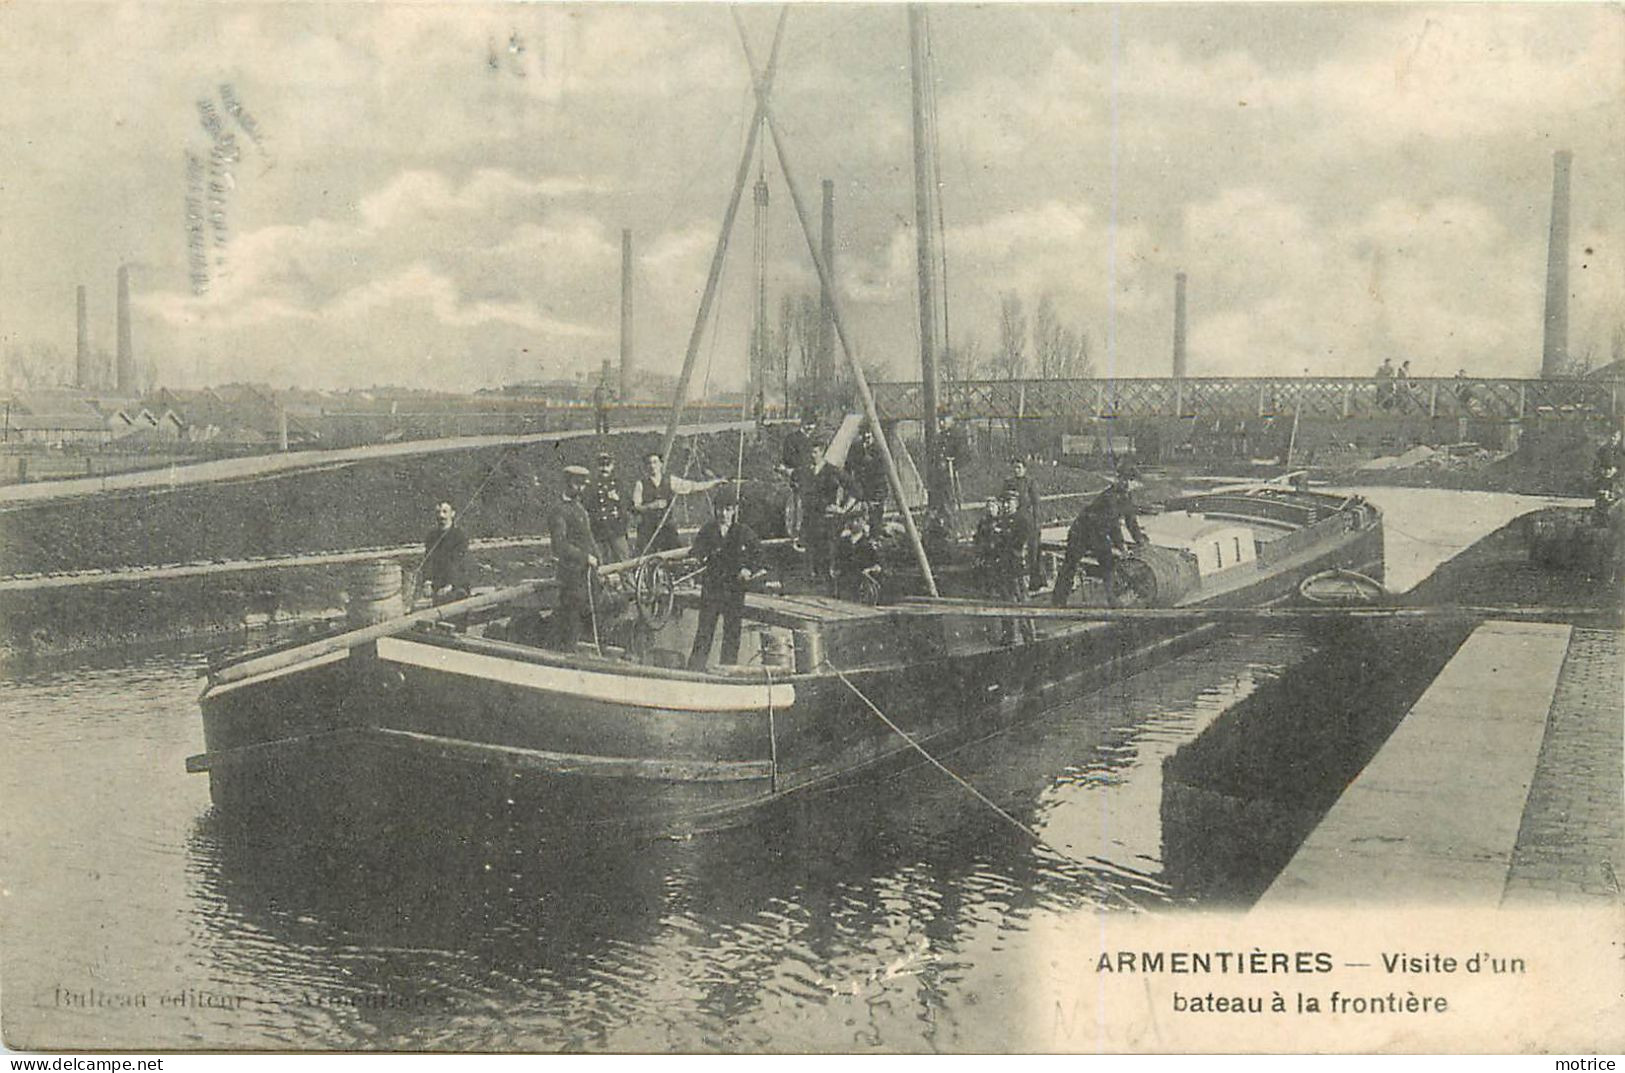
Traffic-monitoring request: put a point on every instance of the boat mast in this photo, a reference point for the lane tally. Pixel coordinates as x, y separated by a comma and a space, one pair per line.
827, 283
925, 259
763, 88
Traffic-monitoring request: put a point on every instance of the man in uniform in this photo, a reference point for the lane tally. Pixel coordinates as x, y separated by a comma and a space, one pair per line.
607, 510
1097, 531
577, 554
1029, 506
731, 554
446, 565
652, 500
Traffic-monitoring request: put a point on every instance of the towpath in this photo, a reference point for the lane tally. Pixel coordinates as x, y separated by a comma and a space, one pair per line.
253, 466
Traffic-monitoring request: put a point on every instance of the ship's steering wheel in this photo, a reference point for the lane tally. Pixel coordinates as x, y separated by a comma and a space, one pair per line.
654, 593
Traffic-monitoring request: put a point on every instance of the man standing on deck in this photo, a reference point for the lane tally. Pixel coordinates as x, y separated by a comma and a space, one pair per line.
1013, 535
867, 468
653, 498
600, 406
1028, 505
796, 463
731, 554
831, 496
577, 554
1097, 531
446, 565
607, 510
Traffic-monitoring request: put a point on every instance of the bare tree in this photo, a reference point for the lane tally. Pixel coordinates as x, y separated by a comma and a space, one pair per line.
34, 365
1009, 362
1061, 350
961, 360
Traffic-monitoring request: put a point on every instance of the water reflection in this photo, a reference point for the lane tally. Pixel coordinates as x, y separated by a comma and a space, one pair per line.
843, 920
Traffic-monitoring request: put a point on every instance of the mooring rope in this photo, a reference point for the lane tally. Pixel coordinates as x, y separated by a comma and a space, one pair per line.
973, 791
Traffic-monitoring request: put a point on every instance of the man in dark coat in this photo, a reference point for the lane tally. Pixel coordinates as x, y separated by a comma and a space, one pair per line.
447, 568
731, 554
1013, 536
867, 468
577, 554
1029, 506
1097, 531
831, 495
607, 511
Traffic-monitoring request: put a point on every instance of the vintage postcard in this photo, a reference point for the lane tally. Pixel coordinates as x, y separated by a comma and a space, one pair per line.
818, 528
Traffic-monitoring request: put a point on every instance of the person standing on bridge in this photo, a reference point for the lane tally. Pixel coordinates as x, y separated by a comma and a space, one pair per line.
571, 532
447, 568
653, 498
600, 407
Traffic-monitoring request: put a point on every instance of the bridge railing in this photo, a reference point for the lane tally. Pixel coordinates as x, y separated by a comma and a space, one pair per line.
1242, 397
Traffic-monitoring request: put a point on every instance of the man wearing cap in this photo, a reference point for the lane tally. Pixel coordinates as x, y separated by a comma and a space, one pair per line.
446, 565
731, 554
652, 500
607, 510
1097, 531
577, 553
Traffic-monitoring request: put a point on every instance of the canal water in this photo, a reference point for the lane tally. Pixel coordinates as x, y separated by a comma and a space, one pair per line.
904, 917
859, 919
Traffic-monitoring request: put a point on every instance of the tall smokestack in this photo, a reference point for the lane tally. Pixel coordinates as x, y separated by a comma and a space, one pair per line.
626, 314
1179, 325
1554, 354
84, 377
127, 386
826, 320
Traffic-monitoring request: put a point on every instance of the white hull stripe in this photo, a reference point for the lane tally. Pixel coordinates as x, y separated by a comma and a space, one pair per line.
672, 694
280, 672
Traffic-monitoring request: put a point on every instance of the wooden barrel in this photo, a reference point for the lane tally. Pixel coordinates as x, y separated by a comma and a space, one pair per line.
375, 592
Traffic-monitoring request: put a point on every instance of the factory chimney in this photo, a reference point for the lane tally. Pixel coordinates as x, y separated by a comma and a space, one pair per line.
626, 314
1554, 353
1179, 325
127, 386
84, 377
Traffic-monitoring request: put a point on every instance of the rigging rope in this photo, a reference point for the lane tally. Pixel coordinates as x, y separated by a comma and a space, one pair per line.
973, 791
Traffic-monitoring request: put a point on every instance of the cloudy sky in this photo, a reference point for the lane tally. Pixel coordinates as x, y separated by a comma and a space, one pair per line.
434, 194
